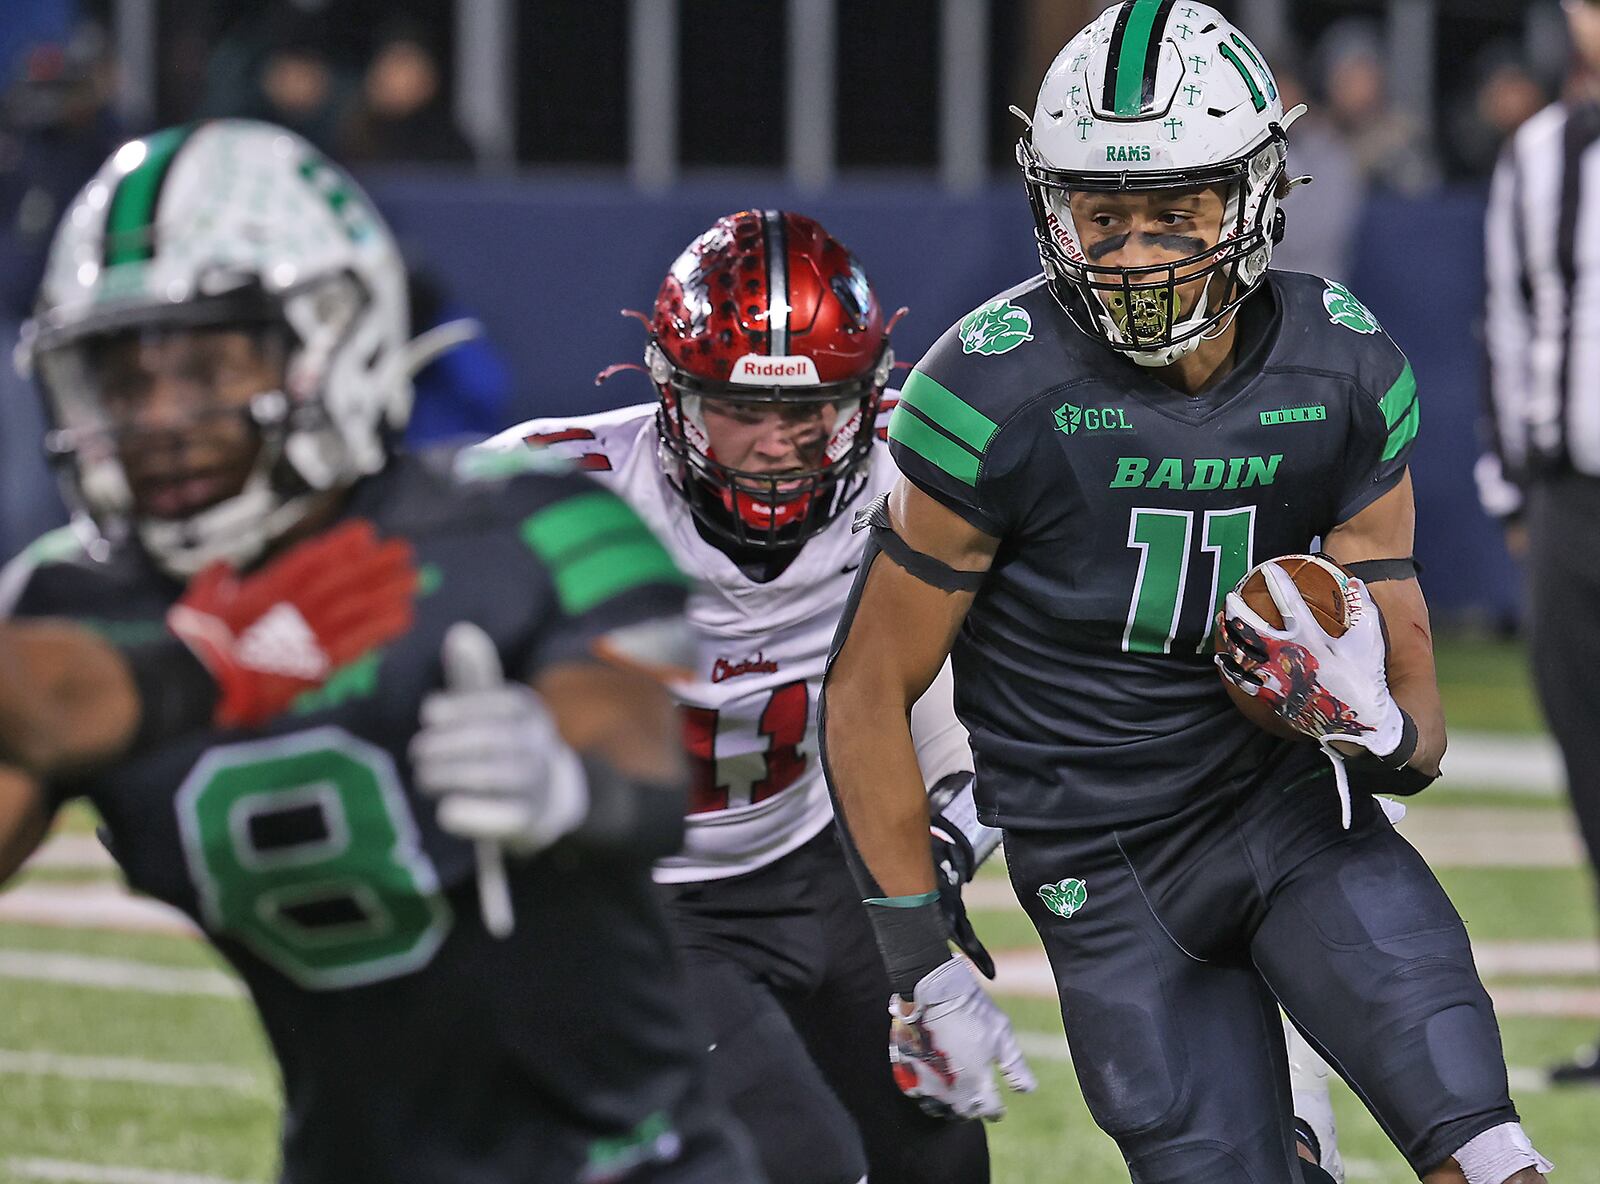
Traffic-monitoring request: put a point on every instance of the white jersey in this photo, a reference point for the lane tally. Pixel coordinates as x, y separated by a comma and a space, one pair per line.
750, 711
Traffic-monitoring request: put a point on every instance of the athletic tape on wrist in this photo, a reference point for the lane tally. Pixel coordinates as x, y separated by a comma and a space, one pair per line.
911, 936
936, 573
1498, 1154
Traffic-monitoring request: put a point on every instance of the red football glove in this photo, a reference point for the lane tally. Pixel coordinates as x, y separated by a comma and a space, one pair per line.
281, 630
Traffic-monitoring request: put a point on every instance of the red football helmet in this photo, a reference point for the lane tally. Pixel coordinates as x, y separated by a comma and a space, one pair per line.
767, 333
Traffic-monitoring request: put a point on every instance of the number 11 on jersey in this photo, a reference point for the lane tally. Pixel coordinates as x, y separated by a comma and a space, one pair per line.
1163, 539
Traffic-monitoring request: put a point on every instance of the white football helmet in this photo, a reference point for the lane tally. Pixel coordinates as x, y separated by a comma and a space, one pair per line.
1157, 94
225, 223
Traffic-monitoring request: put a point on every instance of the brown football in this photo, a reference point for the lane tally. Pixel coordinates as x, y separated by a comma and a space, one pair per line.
1321, 584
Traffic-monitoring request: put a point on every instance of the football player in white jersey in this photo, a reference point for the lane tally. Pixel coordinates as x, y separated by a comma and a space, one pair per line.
769, 353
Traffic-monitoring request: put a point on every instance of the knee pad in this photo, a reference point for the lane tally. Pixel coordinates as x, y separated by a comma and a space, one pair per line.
1498, 1154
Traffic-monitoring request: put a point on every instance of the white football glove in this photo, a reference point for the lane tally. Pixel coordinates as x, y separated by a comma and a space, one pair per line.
1355, 705
1329, 688
944, 1051
489, 751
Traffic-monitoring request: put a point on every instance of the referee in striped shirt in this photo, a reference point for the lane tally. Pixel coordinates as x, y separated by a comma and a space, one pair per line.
1542, 475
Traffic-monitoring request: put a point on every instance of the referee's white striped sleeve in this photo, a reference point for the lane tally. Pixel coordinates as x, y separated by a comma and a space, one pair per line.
1509, 325
1509, 340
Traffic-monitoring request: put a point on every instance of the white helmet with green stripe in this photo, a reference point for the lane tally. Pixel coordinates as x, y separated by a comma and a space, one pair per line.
1157, 95
226, 223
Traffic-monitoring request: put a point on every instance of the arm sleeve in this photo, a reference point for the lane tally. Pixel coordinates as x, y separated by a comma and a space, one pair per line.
1383, 430
1508, 334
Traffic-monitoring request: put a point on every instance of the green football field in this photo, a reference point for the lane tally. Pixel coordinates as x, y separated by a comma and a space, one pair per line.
128, 1057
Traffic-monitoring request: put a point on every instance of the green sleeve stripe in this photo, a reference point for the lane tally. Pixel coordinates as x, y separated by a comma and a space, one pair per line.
596, 547
1403, 432
133, 205
1397, 403
612, 570
558, 532
936, 404
935, 448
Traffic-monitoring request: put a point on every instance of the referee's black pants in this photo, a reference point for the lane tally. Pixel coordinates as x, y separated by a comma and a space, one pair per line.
1564, 611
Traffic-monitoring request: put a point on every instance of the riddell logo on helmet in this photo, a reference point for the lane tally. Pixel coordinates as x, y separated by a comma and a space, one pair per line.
755, 370
1063, 239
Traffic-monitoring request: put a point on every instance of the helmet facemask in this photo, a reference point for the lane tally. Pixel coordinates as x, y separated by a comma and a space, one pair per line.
99, 444
828, 425
1158, 314
223, 225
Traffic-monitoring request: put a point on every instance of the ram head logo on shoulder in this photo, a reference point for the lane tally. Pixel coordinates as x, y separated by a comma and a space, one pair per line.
996, 328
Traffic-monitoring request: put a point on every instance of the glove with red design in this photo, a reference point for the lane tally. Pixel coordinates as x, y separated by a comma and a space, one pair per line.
944, 1051
271, 635
1329, 688
1333, 689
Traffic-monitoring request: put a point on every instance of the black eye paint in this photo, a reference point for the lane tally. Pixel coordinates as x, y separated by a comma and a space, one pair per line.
1184, 243
1106, 246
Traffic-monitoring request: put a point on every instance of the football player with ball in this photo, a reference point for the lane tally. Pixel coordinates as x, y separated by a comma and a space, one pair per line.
1188, 872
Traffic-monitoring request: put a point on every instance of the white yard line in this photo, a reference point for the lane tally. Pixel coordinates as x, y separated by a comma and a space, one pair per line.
1052, 1046
133, 1071
93, 1173
106, 905
1027, 973
1515, 764
82, 970
1541, 959
73, 851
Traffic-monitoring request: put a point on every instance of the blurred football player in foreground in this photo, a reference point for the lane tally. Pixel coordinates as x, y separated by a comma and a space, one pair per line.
221, 339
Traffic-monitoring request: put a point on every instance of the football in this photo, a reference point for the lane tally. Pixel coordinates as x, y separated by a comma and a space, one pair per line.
1322, 584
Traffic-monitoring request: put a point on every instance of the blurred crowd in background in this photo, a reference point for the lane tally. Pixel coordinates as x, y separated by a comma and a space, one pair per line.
379, 84
371, 82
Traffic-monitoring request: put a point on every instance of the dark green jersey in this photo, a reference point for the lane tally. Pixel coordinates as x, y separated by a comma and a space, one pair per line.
413, 1045
1125, 511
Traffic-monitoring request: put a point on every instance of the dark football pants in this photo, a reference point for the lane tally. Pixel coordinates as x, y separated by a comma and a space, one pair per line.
1564, 622
1197, 926
790, 987
712, 1151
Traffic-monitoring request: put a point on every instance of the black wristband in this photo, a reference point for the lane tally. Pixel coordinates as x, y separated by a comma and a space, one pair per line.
1406, 749
913, 939
1371, 777
177, 695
